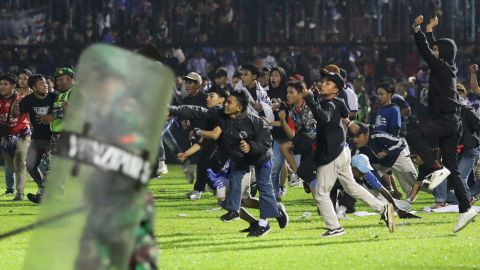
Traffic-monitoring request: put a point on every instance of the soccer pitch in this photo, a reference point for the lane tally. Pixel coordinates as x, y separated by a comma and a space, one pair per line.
191, 236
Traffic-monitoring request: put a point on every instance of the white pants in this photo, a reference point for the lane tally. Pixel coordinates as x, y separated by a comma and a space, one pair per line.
327, 175
403, 169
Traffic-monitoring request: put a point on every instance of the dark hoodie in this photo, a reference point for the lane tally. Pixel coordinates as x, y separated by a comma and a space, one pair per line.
442, 91
279, 93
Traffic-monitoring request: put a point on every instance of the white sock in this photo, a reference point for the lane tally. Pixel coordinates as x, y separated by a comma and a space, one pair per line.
262, 222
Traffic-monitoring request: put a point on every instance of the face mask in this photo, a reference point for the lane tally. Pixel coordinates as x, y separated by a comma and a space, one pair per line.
463, 100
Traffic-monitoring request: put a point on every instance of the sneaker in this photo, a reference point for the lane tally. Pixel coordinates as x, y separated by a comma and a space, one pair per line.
9, 193
187, 195
18, 197
406, 215
294, 180
282, 191
312, 25
259, 231
195, 195
35, 198
282, 216
250, 228
230, 216
387, 216
162, 168
437, 177
334, 232
464, 219
342, 213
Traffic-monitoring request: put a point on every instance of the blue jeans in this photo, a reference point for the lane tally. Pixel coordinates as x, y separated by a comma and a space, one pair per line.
466, 162
268, 203
277, 163
9, 179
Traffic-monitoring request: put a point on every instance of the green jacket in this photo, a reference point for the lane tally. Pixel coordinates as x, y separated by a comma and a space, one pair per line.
58, 110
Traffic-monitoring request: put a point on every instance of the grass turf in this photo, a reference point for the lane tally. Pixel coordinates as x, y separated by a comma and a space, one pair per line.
199, 240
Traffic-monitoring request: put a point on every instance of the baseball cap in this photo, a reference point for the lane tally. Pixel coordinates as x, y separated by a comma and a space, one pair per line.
362, 163
334, 77
63, 71
193, 76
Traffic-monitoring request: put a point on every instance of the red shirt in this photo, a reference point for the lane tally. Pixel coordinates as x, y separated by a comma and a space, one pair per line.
18, 124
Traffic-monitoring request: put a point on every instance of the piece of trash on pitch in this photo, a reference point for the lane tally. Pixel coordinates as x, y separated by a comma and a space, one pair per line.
306, 215
183, 215
214, 209
364, 214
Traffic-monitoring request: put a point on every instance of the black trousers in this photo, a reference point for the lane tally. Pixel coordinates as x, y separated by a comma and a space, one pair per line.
204, 161
446, 130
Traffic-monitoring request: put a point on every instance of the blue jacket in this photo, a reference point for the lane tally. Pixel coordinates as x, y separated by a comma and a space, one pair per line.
382, 141
388, 120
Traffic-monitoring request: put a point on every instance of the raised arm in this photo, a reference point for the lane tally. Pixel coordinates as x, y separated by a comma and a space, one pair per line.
320, 114
422, 44
429, 30
190, 112
210, 134
474, 80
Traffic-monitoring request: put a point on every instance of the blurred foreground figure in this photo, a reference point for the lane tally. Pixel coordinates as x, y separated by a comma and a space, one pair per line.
103, 159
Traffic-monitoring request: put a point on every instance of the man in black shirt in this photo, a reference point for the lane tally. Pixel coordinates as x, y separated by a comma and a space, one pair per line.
37, 105
333, 157
445, 126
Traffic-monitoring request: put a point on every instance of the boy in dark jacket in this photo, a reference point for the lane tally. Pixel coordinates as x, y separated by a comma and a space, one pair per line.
445, 124
332, 156
386, 152
246, 138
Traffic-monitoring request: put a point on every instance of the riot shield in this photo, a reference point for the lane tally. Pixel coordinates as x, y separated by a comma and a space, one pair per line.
95, 194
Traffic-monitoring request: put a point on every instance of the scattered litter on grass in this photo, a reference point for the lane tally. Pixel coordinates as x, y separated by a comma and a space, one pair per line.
448, 209
214, 209
183, 215
306, 215
364, 214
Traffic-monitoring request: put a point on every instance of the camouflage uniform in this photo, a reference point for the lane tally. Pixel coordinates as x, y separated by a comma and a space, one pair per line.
145, 252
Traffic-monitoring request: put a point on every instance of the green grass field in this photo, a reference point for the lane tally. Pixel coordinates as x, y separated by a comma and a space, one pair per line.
199, 240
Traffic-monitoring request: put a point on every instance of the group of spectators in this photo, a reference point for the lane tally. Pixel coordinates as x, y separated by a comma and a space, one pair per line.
330, 134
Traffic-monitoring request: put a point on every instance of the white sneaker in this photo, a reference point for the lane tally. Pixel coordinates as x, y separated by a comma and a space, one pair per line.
464, 219
437, 177
342, 213
195, 195
294, 180
162, 168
